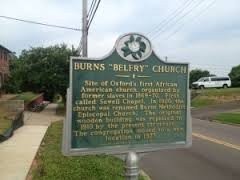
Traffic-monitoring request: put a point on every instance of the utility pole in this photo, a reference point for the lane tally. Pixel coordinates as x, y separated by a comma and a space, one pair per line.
84, 29
166, 58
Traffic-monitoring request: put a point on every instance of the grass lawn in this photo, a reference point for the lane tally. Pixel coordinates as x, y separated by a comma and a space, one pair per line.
5, 123
26, 96
202, 102
207, 97
51, 164
220, 92
228, 118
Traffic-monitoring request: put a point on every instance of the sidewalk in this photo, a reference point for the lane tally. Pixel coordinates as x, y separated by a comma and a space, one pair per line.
17, 153
45, 118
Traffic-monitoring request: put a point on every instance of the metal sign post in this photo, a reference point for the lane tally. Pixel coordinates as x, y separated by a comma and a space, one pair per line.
131, 166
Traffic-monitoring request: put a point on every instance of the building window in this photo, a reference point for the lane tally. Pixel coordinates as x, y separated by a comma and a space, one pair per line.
5, 56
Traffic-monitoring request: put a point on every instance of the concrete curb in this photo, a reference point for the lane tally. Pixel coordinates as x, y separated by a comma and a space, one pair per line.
226, 123
144, 175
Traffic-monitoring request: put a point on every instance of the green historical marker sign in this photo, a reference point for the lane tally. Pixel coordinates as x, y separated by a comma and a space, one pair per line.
129, 100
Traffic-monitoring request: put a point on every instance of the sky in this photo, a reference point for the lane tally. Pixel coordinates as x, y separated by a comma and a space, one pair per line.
204, 33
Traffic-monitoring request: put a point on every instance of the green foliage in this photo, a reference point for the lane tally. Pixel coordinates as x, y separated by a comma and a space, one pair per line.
197, 74
41, 70
51, 164
230, 92
16, 79
228, 118
235, 76
26, 97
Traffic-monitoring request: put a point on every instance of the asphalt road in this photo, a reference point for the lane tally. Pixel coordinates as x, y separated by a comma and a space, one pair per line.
214, 155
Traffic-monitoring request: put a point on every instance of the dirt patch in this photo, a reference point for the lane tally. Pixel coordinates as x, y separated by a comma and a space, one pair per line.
30, 173
224, 99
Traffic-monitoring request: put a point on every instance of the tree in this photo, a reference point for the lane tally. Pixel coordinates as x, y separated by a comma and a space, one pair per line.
15, 81
197, 74
42, 70
235, 76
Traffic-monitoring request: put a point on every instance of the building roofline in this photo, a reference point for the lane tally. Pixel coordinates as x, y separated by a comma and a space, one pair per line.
5, 49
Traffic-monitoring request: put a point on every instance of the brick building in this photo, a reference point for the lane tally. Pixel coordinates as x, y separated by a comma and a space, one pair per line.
4, 64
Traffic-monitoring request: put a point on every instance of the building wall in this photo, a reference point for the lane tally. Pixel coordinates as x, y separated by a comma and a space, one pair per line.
4, 65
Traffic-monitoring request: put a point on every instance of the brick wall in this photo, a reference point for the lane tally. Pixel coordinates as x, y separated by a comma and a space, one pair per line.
36, 101
4, 61
4, 65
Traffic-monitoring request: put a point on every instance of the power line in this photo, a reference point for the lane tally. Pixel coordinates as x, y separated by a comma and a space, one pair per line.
192, 19
90, 15
181, 17
91, 18
80, 46
91, 5
39, 23
91, 8
170, 17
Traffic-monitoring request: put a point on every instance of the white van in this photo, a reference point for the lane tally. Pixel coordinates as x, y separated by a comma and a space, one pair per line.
212, 82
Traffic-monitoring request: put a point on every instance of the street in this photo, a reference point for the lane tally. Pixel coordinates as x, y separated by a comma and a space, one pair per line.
215, 154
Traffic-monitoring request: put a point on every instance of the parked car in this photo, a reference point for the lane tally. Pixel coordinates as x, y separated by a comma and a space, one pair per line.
212, 82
